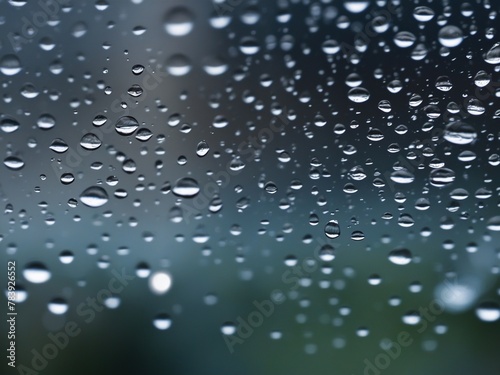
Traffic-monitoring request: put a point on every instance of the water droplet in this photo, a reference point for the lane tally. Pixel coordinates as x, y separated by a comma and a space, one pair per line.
404, 39
374, 279
214, 66
443, 83
13, 162
326, 253
67, 178
332, 229
276, 335
9, 125
59, 145
143, 135
402, 176
450, 36
423, 14
411, 318
99, 120
135, 90
66, 257
178, 65
482, 78
228, 328
143, 270
270, 187
126, 125
493, 55
202, 149
46, 122
179, 21
10, 65
186, 187
441, 177
160, 282
112, 302
36, 273
460, 133
94, 196
137, 69
330, 47
58, 306
358, 94
249, 46
90, 141
162, 321
494, 224
488, 311
18, 3
400, 256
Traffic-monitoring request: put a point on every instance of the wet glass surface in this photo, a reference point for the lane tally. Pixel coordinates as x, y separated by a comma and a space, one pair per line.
251, 187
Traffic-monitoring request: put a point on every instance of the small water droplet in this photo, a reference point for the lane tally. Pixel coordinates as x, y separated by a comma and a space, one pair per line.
488, 311
202, 149
58, 306
162, 321
228, 328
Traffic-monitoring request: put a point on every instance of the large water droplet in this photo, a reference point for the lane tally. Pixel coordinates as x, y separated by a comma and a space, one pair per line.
460, 133
400, 256
94, 196
494, 224
179, 21
493, 55
423, 14
36, 273
186, 187
9, 125
402, 176
404, 39
488, 311
59, 145
356, 6
10, 65
441, 177
358, 94
450, 36
332, 229
46, 122
126, 125
13, 162
90, 141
